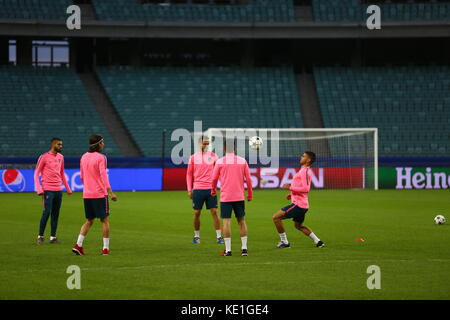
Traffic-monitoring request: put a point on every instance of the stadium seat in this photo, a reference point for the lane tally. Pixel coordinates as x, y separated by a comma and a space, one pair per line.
355, 11
410, 121
152, 99
33, 114
253, 11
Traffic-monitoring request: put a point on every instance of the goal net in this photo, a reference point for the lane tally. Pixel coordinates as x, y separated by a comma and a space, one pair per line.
346, 158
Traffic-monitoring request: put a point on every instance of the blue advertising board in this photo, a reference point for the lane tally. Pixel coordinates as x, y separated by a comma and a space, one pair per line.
139, 179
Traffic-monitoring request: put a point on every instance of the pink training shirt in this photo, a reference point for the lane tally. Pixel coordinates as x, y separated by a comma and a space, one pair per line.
93, 175
200, 170
300, 186
231, 170
51, 167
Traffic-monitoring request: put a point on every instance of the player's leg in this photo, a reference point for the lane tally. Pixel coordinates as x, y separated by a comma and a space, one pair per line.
85, 227
57, 200
211, 204
89, 212
197, 204
239, 211
105, 233
277, 220
227, 235
196, 223
47, 201
226, 209
78, 247
308, 232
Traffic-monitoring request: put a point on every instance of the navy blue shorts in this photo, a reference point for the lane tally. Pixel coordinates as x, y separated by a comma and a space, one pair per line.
226, 209
203, 196
295, 212
96, 208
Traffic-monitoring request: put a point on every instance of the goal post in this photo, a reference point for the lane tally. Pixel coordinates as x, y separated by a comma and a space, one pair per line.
347, 158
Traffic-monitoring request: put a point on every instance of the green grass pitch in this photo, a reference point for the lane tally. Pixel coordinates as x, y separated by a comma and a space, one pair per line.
152, 256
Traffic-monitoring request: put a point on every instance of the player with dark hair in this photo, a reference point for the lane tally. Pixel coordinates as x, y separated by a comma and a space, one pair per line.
96, 189
50, 166
301, 184
233, 172
198, 180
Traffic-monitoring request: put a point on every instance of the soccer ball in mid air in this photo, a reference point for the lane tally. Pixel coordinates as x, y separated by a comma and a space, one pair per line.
439, 219
255, 142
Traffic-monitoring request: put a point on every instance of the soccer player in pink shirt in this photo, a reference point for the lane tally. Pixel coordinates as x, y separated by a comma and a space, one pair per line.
95, 192
198, 180
50, 167
232, 171
301, 184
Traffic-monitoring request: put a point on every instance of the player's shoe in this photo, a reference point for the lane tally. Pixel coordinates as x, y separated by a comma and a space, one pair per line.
78, 250
40, 241
196, 240
320, 244
105, 252
226, 254
220, 240
54, 241
244, 252
282, 245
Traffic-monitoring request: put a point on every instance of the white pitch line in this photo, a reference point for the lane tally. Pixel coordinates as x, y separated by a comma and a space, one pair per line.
236, 264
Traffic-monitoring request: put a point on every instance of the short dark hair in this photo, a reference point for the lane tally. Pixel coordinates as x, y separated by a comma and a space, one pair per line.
312, 156
55, 139
94, 142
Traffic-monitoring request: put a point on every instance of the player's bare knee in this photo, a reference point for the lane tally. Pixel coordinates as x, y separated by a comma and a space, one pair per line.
197, 213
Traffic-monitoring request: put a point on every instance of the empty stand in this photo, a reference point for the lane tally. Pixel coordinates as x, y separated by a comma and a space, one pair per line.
253, 11
354, 10
37, 104
152, 99
409, 105
34, 9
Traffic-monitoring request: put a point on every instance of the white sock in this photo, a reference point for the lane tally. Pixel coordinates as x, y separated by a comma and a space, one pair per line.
197, 233
244, 242
283, 238
313, 236
80, 240
218, 233
227, 244
40, 237
106, 243
52, 238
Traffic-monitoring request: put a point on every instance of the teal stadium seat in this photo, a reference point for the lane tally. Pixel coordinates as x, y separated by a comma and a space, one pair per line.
34, 9
355, 11
409, 105
40, 103
156, 98
254, 11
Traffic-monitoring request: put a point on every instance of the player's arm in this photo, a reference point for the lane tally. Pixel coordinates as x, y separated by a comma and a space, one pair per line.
37, 171
63, 177
105, 180
248, 179
190, 177
215, 179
